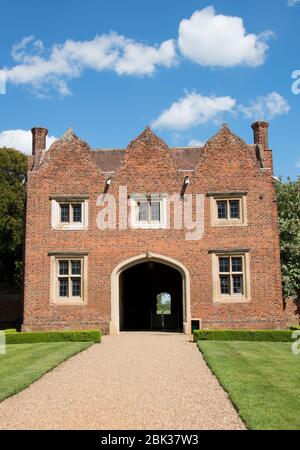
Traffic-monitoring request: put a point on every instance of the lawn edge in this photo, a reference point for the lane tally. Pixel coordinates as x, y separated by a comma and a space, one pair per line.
206, 359
22, 388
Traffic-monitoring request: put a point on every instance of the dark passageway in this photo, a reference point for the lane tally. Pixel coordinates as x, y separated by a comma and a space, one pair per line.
151, 298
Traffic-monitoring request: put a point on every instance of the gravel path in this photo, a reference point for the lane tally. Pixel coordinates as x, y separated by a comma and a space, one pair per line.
131, 381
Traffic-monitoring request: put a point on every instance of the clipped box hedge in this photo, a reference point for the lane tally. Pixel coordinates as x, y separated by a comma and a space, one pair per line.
244, 335
53, 336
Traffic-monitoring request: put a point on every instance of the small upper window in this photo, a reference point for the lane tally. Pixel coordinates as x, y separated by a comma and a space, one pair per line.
69, 214
228, 209
148, 211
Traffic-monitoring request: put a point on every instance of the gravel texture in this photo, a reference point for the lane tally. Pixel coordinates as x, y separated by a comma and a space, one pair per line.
131, 381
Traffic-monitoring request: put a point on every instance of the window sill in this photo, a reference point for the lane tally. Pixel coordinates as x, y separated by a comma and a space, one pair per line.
69, 228
229, 223
148, 227
58, 302
231, 300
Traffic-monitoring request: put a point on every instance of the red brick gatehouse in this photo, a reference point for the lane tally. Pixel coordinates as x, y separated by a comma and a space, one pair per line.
88, 267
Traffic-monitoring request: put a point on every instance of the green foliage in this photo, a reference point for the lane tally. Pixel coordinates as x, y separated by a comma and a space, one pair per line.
53, 336
10, 330
13, 166
244, 335
288, 198
163, 303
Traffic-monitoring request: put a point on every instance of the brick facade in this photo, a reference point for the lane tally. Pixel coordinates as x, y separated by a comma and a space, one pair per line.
224, 164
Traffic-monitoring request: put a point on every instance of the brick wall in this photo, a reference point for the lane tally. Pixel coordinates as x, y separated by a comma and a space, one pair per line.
227, 165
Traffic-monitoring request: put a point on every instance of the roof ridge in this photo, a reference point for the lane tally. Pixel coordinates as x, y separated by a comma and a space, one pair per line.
107, 149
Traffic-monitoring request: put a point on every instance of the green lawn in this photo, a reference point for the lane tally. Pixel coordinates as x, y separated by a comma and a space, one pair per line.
25, 363
262, 380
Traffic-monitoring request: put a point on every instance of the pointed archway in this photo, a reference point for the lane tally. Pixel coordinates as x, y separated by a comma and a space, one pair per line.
144, 258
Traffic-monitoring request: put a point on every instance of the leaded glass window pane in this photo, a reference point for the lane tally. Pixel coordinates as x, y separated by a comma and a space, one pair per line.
224, 265
222, 209
63, 287
76, 267
237, 264
237, 281
234, 209
225, 284
155, 211
143, 211
77, 213
64, 213
63, 267
76, 287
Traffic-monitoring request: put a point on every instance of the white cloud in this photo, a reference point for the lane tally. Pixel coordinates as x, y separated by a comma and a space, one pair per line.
193, 109
293, 2
266, 107
21, 140
196, 143
298, 164
68, 60
206, 38
19, 50
139, 59
218, 40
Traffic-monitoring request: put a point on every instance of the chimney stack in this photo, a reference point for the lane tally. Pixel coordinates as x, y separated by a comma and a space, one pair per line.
38, 140
261, 134
38, 143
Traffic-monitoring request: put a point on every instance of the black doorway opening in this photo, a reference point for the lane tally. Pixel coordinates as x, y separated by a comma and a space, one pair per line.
143, 288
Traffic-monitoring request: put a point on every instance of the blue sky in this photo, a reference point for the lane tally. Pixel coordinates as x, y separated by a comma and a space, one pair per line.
182, 66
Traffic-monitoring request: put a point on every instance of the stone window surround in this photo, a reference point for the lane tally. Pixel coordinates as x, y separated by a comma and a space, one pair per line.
136, 224
55, 257
56, 200
217, 196
235, 298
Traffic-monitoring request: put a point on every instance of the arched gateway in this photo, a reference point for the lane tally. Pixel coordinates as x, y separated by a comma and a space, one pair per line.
140, 285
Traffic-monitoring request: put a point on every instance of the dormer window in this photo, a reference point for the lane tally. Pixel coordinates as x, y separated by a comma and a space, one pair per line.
69, 213
148, 211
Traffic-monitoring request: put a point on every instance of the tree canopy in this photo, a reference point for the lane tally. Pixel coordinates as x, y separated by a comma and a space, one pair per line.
13, 167
288, 197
